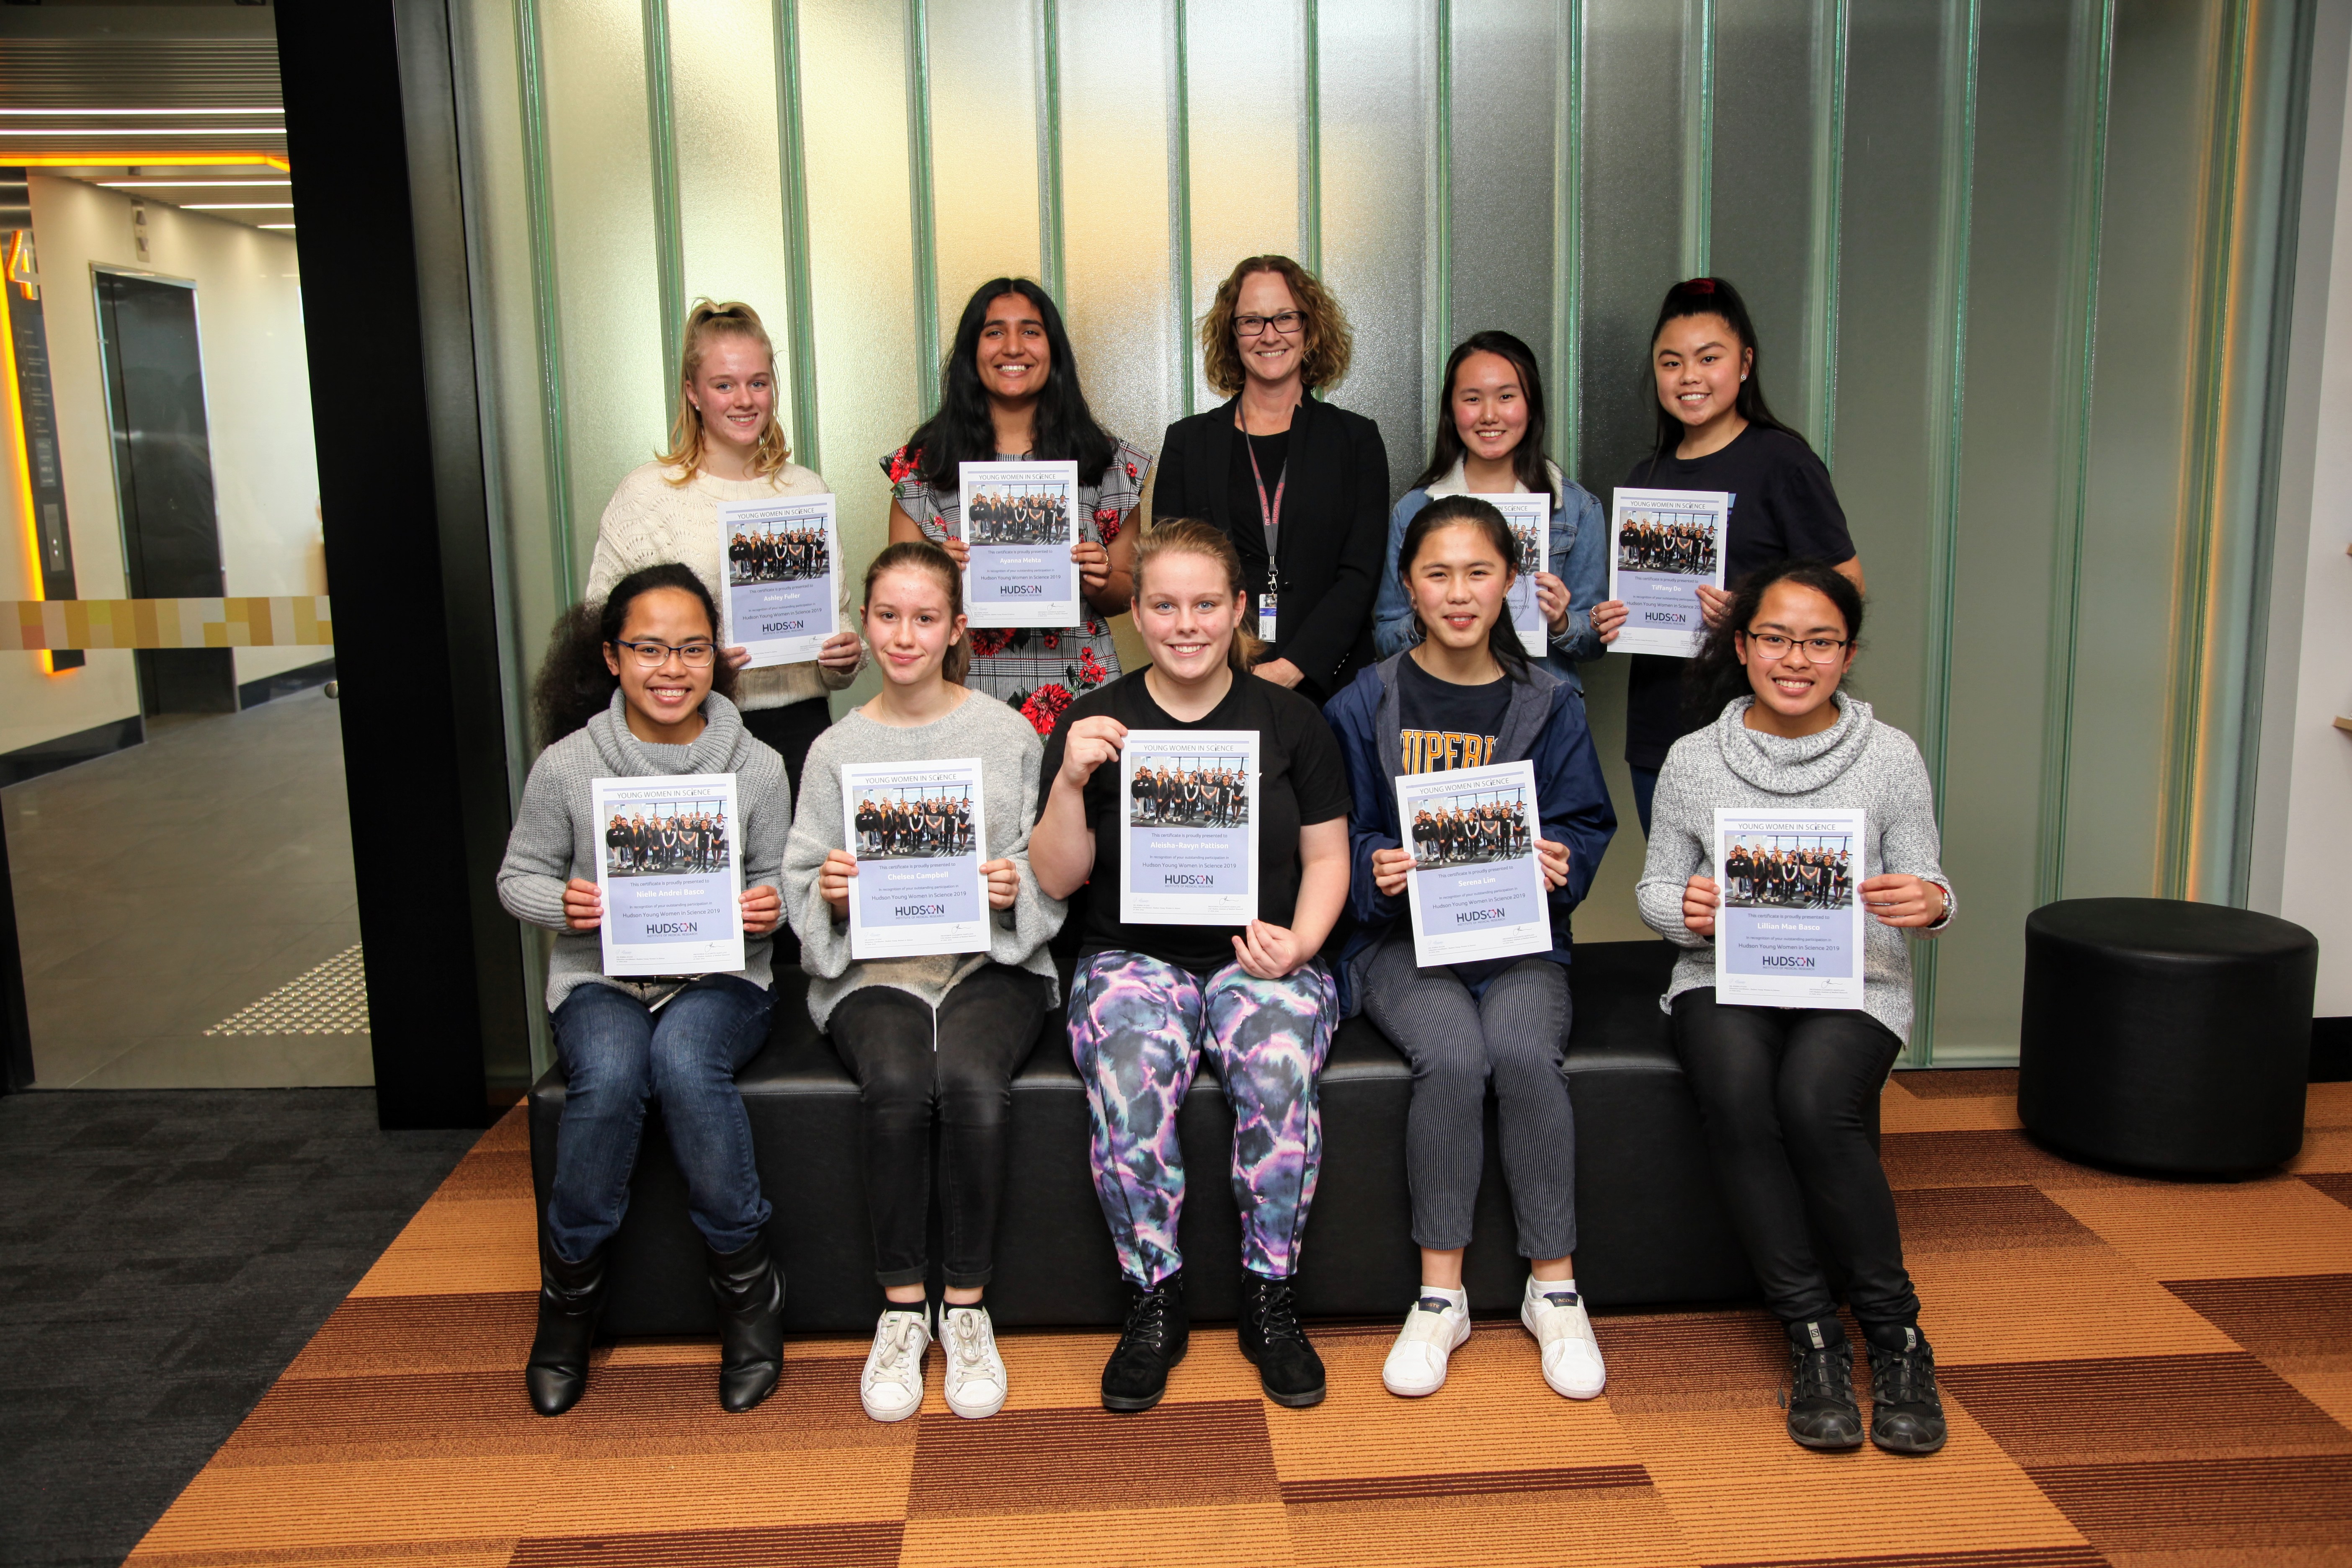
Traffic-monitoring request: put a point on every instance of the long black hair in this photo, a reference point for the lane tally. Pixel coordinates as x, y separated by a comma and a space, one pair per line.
961, 431
1708, 296
1449, 512
1528, 458
1718, 674
574, 683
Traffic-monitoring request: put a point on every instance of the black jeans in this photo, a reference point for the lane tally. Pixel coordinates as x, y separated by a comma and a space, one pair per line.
1784, 1093
986, 1029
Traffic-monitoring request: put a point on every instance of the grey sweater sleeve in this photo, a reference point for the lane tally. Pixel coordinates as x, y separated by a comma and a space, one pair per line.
539, 851
1681, 823
1911, 843
1018, 932
815, 833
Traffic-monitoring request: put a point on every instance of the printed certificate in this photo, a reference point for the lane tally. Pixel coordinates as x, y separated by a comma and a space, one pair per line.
1789, 930
1663, 545
1019, 520
783, 598
1529, 517
919, 836
1189, 836
1476, 888
672, 874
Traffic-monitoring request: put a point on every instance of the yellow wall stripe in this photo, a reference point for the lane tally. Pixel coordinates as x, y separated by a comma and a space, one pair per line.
303, 621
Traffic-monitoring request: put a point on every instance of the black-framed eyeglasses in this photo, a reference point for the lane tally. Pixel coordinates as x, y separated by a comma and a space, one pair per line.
1818, 650
651, 655
1283, 322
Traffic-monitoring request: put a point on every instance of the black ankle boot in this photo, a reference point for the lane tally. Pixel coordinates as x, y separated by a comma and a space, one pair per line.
570, 1300
1159, 1332
1822, 1413
1907, 1414
1288, 1366
751, 1291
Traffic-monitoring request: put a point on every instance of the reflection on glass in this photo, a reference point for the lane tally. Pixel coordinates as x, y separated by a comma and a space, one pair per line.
984, 109
1246, 75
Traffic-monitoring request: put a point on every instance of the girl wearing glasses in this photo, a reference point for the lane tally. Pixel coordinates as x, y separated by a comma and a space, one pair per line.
1715, 433
1490, 440
634, 688
724, 445
1300, 487
1784, 1092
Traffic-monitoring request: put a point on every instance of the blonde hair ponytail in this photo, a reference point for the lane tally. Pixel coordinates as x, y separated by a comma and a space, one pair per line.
704, 323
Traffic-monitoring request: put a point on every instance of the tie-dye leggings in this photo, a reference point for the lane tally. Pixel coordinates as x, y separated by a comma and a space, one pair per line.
1138, 1029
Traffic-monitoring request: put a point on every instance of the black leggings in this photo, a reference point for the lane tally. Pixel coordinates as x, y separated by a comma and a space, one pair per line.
1785, 1093
986, 1030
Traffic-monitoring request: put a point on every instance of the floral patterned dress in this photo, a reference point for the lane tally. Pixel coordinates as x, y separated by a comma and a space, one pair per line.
1039, 672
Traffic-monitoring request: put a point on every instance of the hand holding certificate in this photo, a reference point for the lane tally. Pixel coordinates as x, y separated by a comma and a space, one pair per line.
1477, 883
1189, 831
671, 875
1788, 922
1663, 545
782, 597
1019, 523
918, 835
1529, 519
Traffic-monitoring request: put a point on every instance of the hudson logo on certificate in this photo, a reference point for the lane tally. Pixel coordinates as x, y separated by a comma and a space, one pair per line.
1476, 888
1191, 826
1663, 545
918, 834
783, 600
1019, 520
1788, 933
671, 876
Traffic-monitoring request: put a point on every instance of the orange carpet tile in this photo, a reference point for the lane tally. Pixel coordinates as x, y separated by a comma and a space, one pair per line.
2138, 1373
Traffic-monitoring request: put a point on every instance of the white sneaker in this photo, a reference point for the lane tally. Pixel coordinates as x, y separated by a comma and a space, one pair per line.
1571, 1356
1432, 1331
975, 1374
891, 1388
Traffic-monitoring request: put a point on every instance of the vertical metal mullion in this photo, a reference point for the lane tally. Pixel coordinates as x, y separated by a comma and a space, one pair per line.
800, 331
1310, 137
547, 316
919, 195
1831, 33
1437, 333
1051, 258
661, 141
1180, 202
1698, 135
1568, 235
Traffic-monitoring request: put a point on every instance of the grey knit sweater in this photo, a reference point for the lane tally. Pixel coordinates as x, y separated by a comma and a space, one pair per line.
556, 835
1010, 755
1858, 763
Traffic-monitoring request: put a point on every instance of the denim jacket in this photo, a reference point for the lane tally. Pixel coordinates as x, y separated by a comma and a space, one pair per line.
1580, 558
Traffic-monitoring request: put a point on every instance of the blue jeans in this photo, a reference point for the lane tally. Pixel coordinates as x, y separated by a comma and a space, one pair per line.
616, 1054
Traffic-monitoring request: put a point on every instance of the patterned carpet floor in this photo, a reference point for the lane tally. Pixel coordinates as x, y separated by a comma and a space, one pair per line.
2137, 1373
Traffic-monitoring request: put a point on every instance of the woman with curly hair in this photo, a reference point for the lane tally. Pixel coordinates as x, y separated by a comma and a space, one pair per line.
1301, 487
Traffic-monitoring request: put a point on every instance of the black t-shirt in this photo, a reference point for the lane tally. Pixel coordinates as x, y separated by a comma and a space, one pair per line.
1249, 529
1445, 726
1301, 781
1782, 506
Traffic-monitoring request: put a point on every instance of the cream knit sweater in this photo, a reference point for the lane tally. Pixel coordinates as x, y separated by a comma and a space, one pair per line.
650, 521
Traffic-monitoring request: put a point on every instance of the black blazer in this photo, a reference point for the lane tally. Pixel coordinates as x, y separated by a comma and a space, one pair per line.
1335, 511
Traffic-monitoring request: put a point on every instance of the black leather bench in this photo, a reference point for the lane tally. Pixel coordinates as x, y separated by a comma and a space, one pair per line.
1651, 1230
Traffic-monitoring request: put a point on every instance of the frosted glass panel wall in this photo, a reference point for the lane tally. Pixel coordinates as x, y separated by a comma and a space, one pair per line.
2007, 261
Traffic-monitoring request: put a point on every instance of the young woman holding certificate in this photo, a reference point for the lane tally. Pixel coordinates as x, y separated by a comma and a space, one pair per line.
1490, 441
725, 445
1715, 433
636, 688
1299, 486
1149, 999
1011, 392
1784, 1091
934, 1038
1465, 695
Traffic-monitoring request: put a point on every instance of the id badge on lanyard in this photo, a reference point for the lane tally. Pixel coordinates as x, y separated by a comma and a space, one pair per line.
1269, 515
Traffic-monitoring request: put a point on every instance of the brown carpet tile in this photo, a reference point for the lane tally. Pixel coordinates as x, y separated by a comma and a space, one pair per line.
2138, 1374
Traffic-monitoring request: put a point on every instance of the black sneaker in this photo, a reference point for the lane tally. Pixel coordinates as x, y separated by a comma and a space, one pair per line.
1822, 1413
1287, 1367
1907, 1414
1159, 1332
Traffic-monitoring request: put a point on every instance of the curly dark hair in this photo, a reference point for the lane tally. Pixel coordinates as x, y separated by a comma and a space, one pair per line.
574, 683
1331, 344
1718, 674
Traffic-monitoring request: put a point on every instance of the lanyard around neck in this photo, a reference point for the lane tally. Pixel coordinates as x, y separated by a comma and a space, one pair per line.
1269, 514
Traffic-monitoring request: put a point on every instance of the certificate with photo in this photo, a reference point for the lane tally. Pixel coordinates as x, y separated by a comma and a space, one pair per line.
671, 874
1663, 545
1529, 518
919, 835
1475, 886
1787, 931
1189, 836
782, 597
1019, 520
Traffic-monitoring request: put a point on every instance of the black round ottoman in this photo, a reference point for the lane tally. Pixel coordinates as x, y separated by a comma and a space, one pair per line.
2165, 1035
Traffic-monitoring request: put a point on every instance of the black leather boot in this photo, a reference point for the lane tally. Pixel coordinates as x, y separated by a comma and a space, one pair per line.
1822, 1413
1287, 1367
1159, 1332
1906, 1412
570, 1300
751, 1291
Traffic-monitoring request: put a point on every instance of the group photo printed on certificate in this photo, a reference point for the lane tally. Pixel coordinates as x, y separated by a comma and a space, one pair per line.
1190, 829
670, 875
1019, 520
1788, 924
918, 834
1529, 517
1663, 545
1476, 887
782, 598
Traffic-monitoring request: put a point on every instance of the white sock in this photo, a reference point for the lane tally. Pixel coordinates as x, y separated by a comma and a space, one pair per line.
1459, 1296
1550, 1286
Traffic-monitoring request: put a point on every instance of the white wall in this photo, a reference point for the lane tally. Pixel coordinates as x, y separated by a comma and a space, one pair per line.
258, 404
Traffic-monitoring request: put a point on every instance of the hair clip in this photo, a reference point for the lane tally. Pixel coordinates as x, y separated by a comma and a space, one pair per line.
1699, 286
